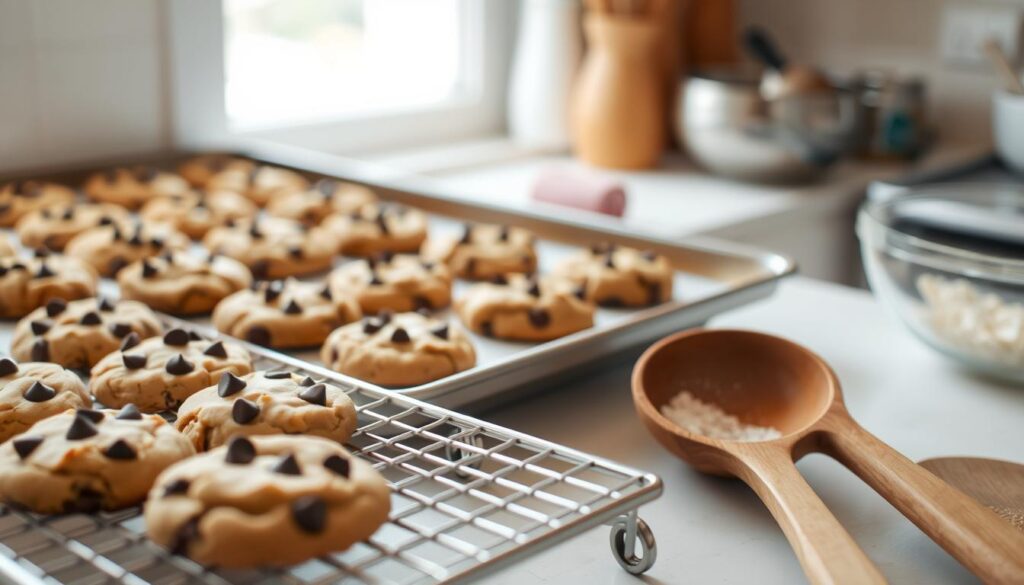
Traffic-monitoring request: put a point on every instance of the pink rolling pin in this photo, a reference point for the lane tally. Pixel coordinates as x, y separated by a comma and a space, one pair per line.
581, 189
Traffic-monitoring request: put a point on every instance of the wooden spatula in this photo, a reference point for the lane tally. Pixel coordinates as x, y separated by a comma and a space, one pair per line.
996, 484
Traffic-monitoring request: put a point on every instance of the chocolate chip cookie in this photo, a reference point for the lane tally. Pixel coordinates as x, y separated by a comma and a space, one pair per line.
27, 283
260, 183
484, 251
110, 248
78, 334
285, 313
618, 276
266, 403
377, 228
327, 196
6, 247
397, 283
88, 460
159, 373
53, 227
32, 391
19, 198
273, 247
267, 500
181, 283
197, 212
400, 350
198, 170
525, 309
133, 187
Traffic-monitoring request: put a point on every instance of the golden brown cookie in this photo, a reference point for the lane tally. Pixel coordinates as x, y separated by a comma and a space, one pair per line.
32, 391
397, 283
110, 248
378, 228
19, 198
273, 247
28, 283
133, 187
6, 247
525, 309
618, 276
260, 183
326, 197
198, 170
197, 212
484, 251
53, 227
181, 283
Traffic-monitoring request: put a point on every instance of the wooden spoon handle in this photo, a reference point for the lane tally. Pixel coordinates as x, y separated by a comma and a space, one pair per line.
990, 547
827, 552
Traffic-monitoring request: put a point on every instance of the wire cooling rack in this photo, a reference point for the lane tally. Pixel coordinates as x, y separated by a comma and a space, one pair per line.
468, 498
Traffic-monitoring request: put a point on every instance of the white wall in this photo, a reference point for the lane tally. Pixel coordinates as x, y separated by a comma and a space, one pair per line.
80, 79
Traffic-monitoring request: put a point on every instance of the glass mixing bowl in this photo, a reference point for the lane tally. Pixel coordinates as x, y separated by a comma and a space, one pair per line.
949, 262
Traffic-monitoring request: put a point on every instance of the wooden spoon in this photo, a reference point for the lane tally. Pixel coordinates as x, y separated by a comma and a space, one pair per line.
768, 381
996, 484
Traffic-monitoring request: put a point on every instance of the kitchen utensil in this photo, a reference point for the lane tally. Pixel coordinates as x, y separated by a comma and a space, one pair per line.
894, 115
1008, 128
996, 484
948, 261
1011, 79
782, 79
768, 381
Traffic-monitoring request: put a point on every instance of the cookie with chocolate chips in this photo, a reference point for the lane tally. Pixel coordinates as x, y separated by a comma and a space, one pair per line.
619, 276
378, 228
266, 501
159, 373
397, 283
133, 187
32, 391
88, 460
483, 251
182, 283
77, 334
53, 227
266, 403
525, 309
285, 313
197, 212
19, 198
110, 248
198, 170
327, 196
273, 247
260, 183
400, 350
28, 283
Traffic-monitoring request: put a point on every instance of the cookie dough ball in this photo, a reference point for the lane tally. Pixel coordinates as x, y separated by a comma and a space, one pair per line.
617, 276
273, 247
19, 198
133, 187
199, 170
266, 403
378, 228
525, 309
32, 391
110, 248
270, 500
326, 197
88, 460
485, 251
400, 350
78, 334
53, 227
26, 284
197, 212
260, 183
285, 313
183, 284
396, 283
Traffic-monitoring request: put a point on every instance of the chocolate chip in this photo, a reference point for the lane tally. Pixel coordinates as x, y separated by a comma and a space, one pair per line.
260, 269
420, 303
25, 445
105, 220
129, 412
87, 501
105, 305
81, 428
338, 464
216, 350
534, 290
68, 214
176, 337
40, 351
121, 450
292, 308
487, 328
382, 223
295, 252
400, 335
307, 381
119, 330
229, 384
93, 415
499, 279
371, 325
581, 292
428, 266
40, 327
18, 266
55, 307
3, 270
375, 279
385, 316
148, 270
539, 318
503, 233
193, 336
39, 392
168, 257
273, 290
136, 239
440, 331
241, 451
258, 335
8, 367
609, 260
467, 234
325, 292
244, 411
179, 366
130, 341
310, 514
287, 465
116, 264
612, 302
91, 318
277, 375
254, 231
315, 394
115, 233
177, 487
133, 361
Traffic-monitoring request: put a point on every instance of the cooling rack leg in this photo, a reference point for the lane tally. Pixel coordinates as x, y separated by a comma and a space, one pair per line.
627, 531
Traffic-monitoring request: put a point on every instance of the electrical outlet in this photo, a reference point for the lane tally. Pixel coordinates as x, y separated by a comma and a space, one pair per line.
966, 28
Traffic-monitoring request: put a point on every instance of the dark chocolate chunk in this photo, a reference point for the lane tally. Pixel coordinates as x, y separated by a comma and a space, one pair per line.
315, 394
325, 292
176, 337
612, 302
55, 307
105, 305
375, 279
310, 514
287, 465
241, 451
440, 331
119, 330
254, 231
400, 335
260, 269
148, 270
307, 381
91, 318
295, 252
422, 303
177, 487
467, 234
503, 233
382, 223
487, 328
273, 290
179, 366
93, 415
3, 270
40, 351
136, 239
116, 264
193, 336
68, 214
133, 361
277, 375
539, 318
244, 411
534, 290
499, 279
40, 327
338, 465
39, 392
609, 260
121, 450
130, 341
371, 325
8, 367
216, 350
105, 220
129, 412
26, 444
18, 266
81, 428
258, 335
292, 308
229, 384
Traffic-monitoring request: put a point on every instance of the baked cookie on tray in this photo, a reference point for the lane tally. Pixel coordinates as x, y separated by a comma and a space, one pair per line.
377, 228
525, 309
88, 460
484, 251
400, 350
266, 501
198, 170
181, 283
266, 403
398, 283
19, 198
132, 187
327, 196
110, 248
273, 247
159, 373
618, 276
77, 334
6, 247
32, 391
258, 182
53, 227
285, 313
28, 283
197, 212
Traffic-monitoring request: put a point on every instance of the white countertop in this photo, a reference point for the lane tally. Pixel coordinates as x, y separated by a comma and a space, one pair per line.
712, 530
